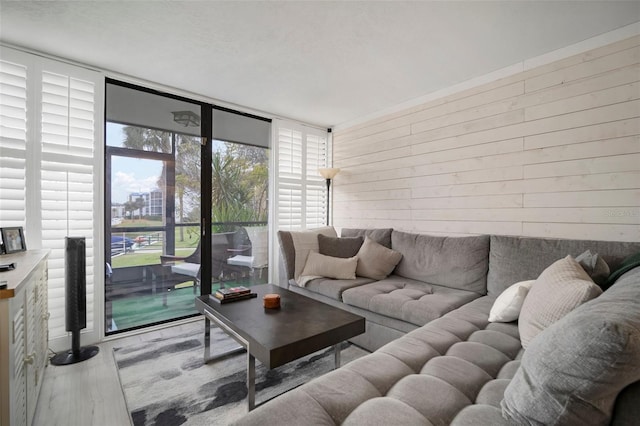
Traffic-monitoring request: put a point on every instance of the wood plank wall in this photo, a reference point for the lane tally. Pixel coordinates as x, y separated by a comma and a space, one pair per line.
553, 151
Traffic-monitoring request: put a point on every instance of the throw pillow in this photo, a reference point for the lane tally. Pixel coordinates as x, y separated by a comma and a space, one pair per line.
375, 261
339, 247
558, 290
573, 371
628, 264
379, 235
304, 242
319, 265
507, 306
595, 266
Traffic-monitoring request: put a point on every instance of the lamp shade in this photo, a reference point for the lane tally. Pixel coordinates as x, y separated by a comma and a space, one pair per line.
328, 173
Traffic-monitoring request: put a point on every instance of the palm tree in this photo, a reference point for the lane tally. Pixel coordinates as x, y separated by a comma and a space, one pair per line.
147, 139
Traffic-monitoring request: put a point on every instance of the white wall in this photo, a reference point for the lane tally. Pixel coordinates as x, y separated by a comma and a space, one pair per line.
553, 151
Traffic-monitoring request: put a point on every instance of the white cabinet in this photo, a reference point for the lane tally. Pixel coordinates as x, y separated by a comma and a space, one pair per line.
23, 336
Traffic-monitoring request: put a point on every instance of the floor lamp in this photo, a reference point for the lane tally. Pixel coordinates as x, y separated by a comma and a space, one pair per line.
328, 174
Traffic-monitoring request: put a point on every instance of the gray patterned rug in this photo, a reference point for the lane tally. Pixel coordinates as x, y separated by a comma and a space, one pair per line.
165, 381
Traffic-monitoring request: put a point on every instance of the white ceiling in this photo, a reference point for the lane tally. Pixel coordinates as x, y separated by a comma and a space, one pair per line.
324, 63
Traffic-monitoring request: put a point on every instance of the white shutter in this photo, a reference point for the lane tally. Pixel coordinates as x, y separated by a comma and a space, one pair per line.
289, 168
316, 189
13, 142
301, 191
67, 183
50, 168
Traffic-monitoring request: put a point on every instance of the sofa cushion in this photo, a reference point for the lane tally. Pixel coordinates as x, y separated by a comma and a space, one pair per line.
381, 389
330, 267
558, 290
334, 288
339, 247
385, 411
455, 262
573, 371
514, 259
380, 236
375, 260
480, 414
507, 306
409, 300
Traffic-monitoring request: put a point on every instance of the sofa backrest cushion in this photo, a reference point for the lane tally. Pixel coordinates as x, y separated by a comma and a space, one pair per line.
454, 262
295, 247
379, 235
339, 247
513, 259
572, 372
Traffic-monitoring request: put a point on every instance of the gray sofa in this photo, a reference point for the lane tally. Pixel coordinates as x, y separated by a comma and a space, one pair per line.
450, 365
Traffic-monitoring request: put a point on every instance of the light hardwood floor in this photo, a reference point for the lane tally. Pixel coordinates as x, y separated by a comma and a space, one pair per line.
89, 393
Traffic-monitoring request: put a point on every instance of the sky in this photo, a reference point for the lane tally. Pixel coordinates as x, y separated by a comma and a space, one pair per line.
129, 174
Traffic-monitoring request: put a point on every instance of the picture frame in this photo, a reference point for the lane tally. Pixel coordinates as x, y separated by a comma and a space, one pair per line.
13, 239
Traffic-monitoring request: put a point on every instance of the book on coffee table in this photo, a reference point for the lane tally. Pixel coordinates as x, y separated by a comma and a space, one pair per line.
223, 300
233, 291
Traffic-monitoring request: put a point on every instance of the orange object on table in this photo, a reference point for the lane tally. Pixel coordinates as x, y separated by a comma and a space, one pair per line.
271, 301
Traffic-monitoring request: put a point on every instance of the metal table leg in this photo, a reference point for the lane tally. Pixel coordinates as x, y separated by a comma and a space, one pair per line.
251, 361
336, 355
251, 381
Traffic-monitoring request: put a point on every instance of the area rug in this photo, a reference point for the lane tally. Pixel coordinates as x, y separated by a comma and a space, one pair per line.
166, 383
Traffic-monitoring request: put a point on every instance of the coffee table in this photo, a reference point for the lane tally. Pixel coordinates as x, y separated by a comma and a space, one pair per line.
301, 326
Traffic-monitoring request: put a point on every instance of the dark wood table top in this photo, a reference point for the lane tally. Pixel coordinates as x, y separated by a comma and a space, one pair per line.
299, 327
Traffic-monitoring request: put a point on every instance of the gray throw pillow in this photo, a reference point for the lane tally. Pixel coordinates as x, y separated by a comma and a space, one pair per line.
375, 261
559, 289
595, 266
379, 235
339, 247
573, 371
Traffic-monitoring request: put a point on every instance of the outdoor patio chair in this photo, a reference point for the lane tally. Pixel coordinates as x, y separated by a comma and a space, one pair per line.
258, 259
187, 268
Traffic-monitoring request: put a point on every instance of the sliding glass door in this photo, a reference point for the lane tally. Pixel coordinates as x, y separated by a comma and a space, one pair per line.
153, 208
186, 204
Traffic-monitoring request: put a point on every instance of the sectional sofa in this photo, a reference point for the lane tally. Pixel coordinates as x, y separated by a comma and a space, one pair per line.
439, 360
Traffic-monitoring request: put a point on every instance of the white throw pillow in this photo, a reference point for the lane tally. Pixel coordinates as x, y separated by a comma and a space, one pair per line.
306, 241
559, 289
507, 306
330, 267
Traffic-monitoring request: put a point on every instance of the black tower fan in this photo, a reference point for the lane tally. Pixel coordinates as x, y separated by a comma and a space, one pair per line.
76, 302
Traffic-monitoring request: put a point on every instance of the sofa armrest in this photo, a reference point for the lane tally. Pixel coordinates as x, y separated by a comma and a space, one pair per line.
288, 254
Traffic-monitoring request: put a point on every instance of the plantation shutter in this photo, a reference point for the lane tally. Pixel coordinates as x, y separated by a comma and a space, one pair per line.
316, 190
301, 191
290, 179
50, 168
68, 143
13, 143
